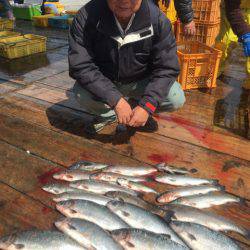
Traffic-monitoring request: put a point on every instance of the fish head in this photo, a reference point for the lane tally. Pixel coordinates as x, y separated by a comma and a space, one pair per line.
122, 181
96, 176
52, 188
115, 205
62, 176
64, 225
67, 208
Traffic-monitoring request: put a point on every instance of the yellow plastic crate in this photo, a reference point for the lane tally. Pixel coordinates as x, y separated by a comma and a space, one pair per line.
199, 65
6, 34
20, 46
42, 21
6, 24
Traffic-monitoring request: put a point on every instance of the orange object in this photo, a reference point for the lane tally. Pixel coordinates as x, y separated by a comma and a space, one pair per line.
205, 33
199, 65
206, 10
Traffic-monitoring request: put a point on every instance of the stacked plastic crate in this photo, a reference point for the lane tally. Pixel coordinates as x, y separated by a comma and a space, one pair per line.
207, 20
198, 59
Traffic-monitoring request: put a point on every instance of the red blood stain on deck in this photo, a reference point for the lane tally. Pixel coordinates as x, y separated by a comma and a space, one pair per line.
158, 158
46, 210
45, 178
202, 134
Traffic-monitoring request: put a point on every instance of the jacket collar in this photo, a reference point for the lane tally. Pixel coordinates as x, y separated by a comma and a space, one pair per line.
107, 23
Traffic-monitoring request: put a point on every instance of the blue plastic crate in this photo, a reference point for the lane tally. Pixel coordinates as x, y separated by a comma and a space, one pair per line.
59, 22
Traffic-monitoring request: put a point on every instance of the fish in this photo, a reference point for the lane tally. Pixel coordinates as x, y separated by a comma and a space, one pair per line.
87, 166
199, 237
138, 239
187, 191
137, 201
213, 221
140, 218
174, 170
87, 234
72, 175
113, 177
82, 195
39, 240
56, 188
131, 171
180, 180
138, 187
100, 187
207, 200
92, 212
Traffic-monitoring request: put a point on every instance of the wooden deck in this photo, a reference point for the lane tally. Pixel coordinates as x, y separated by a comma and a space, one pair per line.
41, 132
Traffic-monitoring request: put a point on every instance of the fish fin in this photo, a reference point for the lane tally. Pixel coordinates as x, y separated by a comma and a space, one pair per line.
130, 245
149, 179
193, 170
169, 215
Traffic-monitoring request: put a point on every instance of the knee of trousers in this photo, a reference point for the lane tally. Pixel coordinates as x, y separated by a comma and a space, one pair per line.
177, 97
87, 101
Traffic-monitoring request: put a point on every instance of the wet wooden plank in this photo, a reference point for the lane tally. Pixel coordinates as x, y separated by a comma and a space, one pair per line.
176, 128
61, 81
232, 172
45, 93
19, 212
188, 131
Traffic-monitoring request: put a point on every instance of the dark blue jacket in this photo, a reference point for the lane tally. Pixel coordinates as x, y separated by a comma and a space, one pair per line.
99, 57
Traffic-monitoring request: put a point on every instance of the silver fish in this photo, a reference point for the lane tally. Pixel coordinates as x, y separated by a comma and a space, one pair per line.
87, 234
38, 240
174, 170
208, 219
207, 200
82, 195
131, 171
92, 212
199, 237
180, 180
56, 188
72, 175
121, 196
100, 187
187, 191
139, 239
142, 219
112, 177
138, 187
87, 166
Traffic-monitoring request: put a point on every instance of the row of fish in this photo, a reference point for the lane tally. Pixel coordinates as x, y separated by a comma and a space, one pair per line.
104, 209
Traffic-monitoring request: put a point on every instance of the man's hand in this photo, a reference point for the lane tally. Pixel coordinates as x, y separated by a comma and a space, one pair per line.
123, 111
189, 28
139, 117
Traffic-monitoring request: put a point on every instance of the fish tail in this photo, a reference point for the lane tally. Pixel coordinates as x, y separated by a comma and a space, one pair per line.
193, 170
215, 182
222, 188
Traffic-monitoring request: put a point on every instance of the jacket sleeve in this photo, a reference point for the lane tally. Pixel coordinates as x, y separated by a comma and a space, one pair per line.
236, 18
165, 67
82, 66
184, 10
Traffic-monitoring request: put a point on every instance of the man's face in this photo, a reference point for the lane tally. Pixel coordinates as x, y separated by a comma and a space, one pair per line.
124, 8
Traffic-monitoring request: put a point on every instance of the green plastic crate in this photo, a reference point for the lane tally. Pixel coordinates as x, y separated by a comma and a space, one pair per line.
27, 12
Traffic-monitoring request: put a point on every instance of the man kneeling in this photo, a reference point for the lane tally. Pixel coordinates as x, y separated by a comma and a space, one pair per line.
123, 56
